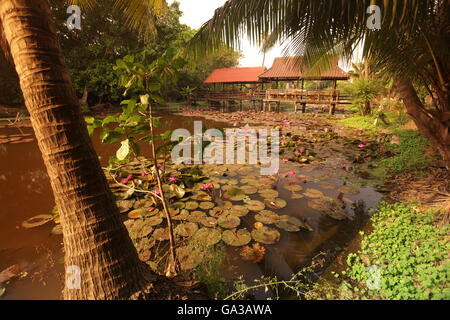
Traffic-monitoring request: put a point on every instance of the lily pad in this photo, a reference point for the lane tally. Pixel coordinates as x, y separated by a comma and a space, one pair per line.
144, 231
267, 217
296, 195
228, 221
236, 238
293, 187
208, 222
137, 213
255, 205
124, 205
146, 243
145, 255
266, 235
196, 216
153, 221
268, 193
216, 212
186, 229
191, 205
313, 193
292, 224
206, 205
161, 234
184, 214
208, 236
327, 185
234, 194
249, 189
276, 204
239, 211
37, 221
349, 190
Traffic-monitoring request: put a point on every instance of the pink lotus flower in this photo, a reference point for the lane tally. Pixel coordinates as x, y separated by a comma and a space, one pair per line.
291, 174
361, 146
207, 186
156, 191
127, 179
173, 179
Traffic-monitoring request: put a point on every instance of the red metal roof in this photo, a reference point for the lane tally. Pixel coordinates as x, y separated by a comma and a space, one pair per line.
235, 75
293, 68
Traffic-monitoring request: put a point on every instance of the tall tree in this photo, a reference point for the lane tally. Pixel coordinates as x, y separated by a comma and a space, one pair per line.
95, 240
413, 44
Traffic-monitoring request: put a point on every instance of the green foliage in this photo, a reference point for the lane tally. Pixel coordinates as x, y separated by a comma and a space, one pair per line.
410, 154
363, 91
410, 251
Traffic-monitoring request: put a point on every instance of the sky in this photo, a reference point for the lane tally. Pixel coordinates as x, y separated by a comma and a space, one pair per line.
197, 12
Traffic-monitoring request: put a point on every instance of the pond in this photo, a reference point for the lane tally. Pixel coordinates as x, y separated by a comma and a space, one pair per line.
25, 192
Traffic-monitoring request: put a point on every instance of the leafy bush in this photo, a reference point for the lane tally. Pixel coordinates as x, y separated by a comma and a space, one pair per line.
410, 252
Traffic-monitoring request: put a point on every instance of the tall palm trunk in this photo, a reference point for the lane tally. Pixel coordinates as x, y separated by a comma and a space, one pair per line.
433, 125
95, 240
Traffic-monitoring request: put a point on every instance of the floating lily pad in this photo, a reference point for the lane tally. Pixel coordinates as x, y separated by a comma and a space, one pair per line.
209, 222
186, 229
239, 211
137, 213
201, 196
196, 216
208, 236
142, 203
266, 235
255, 205
228, 221
313, 193
349, 190
234, 194
236, 238
206, 205
129, 224
276, 204
154, 221
144, 231
179, 205
216, 212
124, 205
191, 205
161, 234
267, 217
291, 224
249, 189
189, 257
268, 193
184, 214
296, 196
293, 187
146, 243
173, 211
37, 221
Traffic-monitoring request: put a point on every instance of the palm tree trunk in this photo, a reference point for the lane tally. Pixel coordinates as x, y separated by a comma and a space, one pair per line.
431, 124
95, 240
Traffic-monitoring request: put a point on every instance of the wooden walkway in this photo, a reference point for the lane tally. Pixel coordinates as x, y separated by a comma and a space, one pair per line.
271, 99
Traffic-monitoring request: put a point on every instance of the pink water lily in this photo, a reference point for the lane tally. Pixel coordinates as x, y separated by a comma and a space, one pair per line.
382, 148
173, 179
291, 174
127, 179
361, 146
144, 172
343, 167
207, 186
285, 160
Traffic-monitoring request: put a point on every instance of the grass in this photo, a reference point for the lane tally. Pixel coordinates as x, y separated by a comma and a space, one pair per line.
405, 257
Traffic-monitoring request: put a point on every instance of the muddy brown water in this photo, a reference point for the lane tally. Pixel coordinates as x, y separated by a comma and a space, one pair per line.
25, 192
